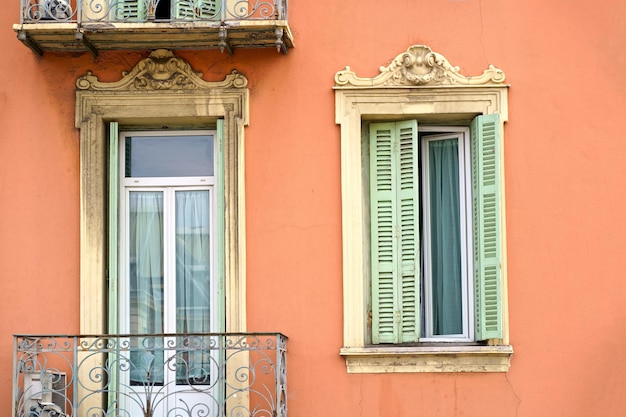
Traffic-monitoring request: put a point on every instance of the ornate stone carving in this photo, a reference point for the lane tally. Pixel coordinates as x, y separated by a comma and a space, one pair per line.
419, 66
162, 70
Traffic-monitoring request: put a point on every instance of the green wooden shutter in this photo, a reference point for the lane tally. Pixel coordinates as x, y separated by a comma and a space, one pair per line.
485, 138
130, 10
394, 232
113, 225
197, 9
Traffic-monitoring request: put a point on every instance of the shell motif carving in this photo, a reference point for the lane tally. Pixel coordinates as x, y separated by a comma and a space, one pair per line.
420, 66
162, 70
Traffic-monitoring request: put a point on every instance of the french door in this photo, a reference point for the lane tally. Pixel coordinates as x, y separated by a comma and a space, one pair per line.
168, 270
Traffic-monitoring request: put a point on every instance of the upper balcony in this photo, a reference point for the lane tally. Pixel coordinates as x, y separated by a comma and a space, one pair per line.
95, 25
184, 375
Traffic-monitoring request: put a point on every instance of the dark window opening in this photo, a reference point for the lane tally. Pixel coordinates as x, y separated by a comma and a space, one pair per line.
163, 10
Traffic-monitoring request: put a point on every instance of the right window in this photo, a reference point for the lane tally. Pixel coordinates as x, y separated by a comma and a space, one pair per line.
434, 215
423, 217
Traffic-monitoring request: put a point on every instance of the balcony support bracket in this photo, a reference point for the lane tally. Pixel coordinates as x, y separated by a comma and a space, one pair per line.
26, 40
223, 43
280, 44
80, 36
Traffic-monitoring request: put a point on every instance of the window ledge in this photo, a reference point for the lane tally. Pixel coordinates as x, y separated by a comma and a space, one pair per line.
428, 359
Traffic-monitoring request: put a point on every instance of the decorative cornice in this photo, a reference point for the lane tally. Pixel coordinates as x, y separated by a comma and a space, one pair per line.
419, 66
162, 70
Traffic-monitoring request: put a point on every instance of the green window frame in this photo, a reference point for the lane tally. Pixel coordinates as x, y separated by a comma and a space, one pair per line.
394, 231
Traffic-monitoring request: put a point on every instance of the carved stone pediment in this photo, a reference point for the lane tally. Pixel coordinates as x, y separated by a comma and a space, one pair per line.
162, 70
419, 66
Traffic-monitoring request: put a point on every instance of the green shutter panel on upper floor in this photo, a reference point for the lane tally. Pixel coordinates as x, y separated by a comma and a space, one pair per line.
394, 231
197, 9
130, 10
485, 138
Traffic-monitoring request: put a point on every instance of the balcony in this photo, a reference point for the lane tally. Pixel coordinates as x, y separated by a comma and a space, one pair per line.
183, 375
96, 25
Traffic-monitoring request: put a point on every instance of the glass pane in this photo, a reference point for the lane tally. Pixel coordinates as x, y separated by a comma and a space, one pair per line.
193, 270
169, 156
145, 257
445, 237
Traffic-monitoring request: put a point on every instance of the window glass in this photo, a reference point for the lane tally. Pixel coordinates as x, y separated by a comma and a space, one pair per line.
160, 156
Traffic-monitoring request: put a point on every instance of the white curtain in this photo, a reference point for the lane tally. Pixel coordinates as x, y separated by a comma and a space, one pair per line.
193, 290
146, 284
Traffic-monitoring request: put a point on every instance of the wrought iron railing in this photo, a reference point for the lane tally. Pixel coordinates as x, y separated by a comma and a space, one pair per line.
137, 11
182, 375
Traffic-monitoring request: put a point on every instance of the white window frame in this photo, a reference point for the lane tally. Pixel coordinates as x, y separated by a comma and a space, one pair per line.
169, 186
434, 133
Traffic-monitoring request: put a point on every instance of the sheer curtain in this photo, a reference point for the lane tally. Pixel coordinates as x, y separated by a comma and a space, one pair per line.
193, 282
445, 237
146, 283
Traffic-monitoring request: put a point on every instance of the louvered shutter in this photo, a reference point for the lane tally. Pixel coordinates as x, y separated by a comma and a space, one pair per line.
394, 232
130, 10
485, 138
197, 9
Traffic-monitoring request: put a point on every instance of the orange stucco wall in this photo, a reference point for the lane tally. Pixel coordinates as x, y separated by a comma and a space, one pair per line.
565, 170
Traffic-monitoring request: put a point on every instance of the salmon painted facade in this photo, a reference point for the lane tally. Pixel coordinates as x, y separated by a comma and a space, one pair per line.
248, 208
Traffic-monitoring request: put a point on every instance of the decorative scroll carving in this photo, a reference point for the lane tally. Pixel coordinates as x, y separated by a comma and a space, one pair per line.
162, 70
419, 66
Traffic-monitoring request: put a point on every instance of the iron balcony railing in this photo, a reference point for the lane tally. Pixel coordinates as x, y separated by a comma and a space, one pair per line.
182, 375
138, 11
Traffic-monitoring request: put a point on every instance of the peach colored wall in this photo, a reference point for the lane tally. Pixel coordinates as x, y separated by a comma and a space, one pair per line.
565, 171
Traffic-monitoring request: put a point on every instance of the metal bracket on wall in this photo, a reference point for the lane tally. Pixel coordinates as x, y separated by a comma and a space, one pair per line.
26, 40
80, 36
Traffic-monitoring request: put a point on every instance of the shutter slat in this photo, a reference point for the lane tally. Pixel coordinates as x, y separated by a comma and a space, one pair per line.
486, 217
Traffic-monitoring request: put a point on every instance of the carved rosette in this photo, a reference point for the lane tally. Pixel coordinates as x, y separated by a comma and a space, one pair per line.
162, 70
420, 66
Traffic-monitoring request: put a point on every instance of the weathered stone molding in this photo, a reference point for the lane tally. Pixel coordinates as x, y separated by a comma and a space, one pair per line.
160, 91
419, 66
162, 70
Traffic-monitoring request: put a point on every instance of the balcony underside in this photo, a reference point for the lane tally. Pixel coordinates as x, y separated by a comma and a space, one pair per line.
94, 37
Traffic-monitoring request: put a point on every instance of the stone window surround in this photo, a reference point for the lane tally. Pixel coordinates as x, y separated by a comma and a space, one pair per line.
161, 91
418, 84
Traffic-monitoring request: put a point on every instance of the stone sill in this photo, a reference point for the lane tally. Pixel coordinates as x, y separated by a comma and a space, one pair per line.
399, 359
